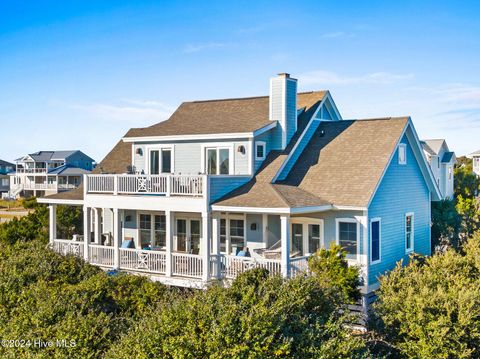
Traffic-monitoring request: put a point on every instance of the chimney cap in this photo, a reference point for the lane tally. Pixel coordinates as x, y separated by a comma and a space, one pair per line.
284, 74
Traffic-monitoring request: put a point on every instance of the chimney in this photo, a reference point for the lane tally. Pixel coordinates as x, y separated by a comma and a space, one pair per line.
283, 106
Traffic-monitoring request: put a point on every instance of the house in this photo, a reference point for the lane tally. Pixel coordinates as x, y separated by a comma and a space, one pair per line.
48, 172
283, 175
441, 161
475, 156
5, 169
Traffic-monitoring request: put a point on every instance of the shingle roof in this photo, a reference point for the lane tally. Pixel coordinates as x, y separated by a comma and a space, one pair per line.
5, 163
476, 153
434, 145
427, 148
68, 171
341, 166
49, 155
238, 115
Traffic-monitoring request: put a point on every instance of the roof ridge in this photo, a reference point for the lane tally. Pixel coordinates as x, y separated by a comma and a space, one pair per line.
248, 98
388, 118
282, 198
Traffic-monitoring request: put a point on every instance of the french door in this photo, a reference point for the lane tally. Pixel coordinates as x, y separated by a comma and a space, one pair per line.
306, 237
188, 233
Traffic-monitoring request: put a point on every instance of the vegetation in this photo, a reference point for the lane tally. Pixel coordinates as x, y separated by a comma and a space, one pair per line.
431, 307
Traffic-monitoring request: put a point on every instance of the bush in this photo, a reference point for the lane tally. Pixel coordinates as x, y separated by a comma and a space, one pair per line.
258, 316
431, 307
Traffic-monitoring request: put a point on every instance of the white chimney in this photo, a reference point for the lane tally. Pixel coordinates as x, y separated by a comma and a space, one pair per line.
283, 106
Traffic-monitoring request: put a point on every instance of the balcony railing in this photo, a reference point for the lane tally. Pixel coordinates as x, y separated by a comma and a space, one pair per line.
167, 185
40, 186
31, 170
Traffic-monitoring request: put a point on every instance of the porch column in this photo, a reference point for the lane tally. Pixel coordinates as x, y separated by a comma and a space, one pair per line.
98, 225
169, 242
205, 243
52, 223
265, 229
116, 238
86, 231
216, 244
285, 244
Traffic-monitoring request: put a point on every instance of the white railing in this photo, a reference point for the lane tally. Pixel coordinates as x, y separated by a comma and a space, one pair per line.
298, 265
67, 246
31, 170
187, 265
148, 261
231, 266
168, 185
40, 186
67, 186
101, 255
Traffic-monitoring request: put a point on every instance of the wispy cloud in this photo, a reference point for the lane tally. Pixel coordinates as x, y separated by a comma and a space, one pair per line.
337, 34
192, 48
322, 77
136, 111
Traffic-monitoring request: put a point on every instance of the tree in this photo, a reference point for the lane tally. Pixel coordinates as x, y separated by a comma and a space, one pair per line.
330, 268
431, 307
446, 224
466, 183
469, 210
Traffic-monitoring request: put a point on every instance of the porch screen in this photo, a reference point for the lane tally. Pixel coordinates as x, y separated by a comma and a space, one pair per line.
348, 238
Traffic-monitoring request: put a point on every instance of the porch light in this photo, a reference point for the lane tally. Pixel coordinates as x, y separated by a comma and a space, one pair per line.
139, 152
241, 149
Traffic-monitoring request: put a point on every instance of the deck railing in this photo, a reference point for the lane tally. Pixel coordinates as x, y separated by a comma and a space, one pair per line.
68, 246
101, 255
298, 265
40, 186
187, 265
231, 266
142, 260
167, 185
31, 170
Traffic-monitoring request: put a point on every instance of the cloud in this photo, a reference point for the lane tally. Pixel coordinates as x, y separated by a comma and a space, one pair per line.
333, 35
322, 77
192, 48
134, 111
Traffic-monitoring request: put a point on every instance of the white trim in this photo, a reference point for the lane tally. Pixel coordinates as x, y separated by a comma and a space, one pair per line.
284, 210
402, 147
218, 146
73, 202
379, 220
265, 129
412, 237
337, 233
258, 144
207, 137
349, 208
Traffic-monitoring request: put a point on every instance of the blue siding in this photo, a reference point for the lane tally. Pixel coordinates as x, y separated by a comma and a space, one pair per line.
291, 109
402, 190
298, 151
221, 185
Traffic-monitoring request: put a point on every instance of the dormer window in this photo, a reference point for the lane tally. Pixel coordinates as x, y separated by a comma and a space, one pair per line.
402, 154
260, 150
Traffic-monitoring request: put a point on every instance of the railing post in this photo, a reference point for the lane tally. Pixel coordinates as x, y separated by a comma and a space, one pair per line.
52, 233
116, 238
169, 242
86, 231
285, 244
169, 185
216, 244
98, 225
205, 243
115, 184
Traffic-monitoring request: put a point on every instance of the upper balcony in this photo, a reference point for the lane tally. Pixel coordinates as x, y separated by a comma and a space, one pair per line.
31, 171
163, 185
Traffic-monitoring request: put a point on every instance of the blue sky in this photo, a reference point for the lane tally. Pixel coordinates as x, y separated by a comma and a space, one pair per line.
79, 74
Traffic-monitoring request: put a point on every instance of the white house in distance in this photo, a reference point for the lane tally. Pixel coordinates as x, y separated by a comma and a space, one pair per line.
283, 175
442, 162
475, 156
5, 169
48, 172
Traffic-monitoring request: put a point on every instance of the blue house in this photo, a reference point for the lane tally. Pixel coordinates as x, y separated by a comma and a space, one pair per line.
282, 175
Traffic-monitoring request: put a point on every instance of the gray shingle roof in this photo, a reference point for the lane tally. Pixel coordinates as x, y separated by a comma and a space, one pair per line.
434, 145
68, 171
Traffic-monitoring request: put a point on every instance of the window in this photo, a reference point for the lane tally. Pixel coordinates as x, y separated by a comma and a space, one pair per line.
314, 240
450, 172
297, 239
260, 150
237, 235
145, 230
218, 161
223, 235
375, 240
402, 154
409, 232
347, 237
160, 161
160, 237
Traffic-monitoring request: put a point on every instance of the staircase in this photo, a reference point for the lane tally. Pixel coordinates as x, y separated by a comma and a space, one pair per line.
15, 191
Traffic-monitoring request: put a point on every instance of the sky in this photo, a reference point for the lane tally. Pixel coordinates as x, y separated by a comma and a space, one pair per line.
79, 74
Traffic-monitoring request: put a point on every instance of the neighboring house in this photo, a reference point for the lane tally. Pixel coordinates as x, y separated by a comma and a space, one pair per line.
282, 174
475, 156
48, 172
5, 169
442, 162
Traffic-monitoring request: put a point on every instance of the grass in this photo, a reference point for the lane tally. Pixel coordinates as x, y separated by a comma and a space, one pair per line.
11, 204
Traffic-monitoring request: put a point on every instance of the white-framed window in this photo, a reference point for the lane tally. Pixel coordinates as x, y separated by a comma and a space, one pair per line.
348, 236
375, 240
306, 236
232, 234
218, 160
160, 160
260, 150
409, 232
152, 231
402, 154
